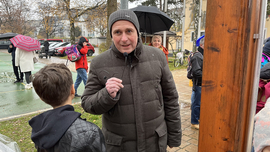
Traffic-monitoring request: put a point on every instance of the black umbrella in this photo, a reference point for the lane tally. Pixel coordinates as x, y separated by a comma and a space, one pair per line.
152, 20
7, 35
170, 33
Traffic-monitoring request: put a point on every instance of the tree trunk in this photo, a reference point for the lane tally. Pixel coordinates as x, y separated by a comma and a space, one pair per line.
111, 7
72, 33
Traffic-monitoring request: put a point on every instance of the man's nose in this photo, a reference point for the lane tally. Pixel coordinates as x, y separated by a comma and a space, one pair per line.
124, 37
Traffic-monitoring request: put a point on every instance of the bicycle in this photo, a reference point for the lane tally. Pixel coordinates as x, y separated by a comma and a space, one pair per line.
181, 58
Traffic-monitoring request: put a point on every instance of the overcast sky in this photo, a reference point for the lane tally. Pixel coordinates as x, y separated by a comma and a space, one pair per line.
132, 5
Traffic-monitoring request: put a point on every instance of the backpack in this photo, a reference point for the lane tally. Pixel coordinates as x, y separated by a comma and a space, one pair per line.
73, 53
189, 68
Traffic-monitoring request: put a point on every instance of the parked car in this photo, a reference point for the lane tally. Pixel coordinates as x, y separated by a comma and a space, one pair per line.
42, 47
60, 51
60, 44
49, 40
91, 49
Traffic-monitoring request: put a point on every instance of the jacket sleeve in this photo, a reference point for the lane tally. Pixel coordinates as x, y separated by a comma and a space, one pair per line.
10, 49
97, 142
84, 50
96, 99
81, 136
196, 66
171, 107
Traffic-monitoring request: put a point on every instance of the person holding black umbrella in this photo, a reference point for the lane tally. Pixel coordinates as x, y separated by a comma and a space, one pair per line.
132, 86
16, 69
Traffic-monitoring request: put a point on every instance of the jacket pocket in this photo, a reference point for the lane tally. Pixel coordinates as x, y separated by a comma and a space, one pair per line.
113, 141
162, 136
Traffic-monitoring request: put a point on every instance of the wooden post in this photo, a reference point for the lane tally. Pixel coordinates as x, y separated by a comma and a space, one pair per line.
229, 65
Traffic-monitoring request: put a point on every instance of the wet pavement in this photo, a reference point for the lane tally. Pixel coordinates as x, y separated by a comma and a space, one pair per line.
190, 136
15, 100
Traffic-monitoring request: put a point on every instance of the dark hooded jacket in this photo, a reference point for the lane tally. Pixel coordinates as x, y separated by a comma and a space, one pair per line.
12, 51
197, 67
145, 115
62, 130
46, 45
82, 63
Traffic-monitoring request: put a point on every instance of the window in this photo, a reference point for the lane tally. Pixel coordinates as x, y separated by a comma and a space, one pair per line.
192, 35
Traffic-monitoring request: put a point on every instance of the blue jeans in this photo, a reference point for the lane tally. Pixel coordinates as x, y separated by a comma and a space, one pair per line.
192, 97
196, 105
81, 76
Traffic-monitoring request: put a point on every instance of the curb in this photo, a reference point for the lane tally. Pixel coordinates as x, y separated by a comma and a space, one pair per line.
30, 113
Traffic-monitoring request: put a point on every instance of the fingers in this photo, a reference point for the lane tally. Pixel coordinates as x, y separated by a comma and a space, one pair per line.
113, 85
114, 82
113, 79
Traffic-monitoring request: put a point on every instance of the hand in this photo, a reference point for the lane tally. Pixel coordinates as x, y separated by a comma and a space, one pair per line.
113, 85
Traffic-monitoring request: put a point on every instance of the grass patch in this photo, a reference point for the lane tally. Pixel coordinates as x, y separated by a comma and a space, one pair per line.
63, 57
19, 130
171, 64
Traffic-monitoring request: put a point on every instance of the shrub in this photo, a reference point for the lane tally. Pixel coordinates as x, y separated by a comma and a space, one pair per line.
102, 47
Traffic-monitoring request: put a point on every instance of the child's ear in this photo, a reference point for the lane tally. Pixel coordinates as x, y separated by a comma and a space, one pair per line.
72, 90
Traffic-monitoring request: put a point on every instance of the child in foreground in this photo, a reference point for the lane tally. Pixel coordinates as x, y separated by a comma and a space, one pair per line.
61, 129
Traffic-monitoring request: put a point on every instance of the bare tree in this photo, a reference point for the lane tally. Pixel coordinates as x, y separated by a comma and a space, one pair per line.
111, 7
74, 11
97, 20
13, 16
50, 17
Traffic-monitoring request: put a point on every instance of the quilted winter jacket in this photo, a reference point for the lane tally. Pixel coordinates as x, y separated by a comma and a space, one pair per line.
145, 115
80, 137
62, 130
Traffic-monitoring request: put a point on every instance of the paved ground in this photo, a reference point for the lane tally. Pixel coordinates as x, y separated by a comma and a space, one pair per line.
190, 136
27, 98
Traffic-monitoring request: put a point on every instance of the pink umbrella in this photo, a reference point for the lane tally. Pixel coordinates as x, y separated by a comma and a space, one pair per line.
25, 42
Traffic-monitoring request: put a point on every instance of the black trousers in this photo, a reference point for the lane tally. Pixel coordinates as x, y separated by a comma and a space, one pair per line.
27, 76
47, 54
16, 70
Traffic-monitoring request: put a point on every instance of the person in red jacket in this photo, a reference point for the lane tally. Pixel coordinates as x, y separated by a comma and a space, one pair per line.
157, 42
81, 65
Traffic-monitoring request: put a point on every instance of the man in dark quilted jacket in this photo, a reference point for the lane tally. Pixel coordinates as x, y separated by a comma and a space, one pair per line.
61, 129
132, 86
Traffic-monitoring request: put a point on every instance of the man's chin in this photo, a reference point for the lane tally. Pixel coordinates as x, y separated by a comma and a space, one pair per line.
126, 50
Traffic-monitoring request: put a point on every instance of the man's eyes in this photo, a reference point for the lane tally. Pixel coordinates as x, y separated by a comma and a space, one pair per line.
116, 32
119, 32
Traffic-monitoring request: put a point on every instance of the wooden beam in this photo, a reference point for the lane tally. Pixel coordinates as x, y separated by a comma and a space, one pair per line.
228, 72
